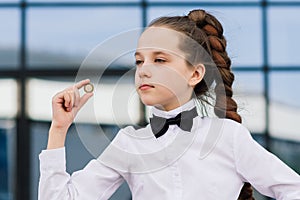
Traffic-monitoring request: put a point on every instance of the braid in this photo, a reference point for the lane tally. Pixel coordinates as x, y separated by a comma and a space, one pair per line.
208, 32
224, 101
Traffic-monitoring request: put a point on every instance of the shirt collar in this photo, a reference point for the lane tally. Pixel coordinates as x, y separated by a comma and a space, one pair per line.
172, 113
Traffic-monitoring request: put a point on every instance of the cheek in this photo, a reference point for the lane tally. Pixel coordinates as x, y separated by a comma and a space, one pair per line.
136, 77
170, 79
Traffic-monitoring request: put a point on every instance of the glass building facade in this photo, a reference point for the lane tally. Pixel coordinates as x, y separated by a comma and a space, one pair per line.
44, 46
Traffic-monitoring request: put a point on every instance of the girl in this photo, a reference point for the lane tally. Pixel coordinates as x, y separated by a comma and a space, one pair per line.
163, 160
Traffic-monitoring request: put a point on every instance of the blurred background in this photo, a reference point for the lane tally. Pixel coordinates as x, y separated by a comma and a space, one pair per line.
44, 42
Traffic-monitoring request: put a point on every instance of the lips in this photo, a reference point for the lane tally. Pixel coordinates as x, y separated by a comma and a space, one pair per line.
145, 87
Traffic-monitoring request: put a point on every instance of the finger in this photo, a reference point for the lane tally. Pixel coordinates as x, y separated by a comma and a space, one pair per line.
58, 98
82, 83
77, 97
68, 100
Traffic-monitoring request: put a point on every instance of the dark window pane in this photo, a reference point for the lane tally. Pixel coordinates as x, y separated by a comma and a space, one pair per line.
283, 36
64, 37
7, 159
242, 29
9, 40
285, 105
287, 151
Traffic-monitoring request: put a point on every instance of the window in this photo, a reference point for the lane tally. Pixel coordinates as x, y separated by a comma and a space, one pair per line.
46, 45
9, 41
65, 36
283, 36
244, 44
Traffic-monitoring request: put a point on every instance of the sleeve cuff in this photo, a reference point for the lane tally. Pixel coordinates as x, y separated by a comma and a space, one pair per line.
53, 159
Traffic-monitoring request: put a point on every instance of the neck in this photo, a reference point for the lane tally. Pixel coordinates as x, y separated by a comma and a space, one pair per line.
172, 106
173, 112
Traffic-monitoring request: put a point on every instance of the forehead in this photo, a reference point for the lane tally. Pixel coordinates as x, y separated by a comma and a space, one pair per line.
159, 38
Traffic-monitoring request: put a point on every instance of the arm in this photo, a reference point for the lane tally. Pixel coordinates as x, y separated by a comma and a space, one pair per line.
267, 173
65, 106
95, 181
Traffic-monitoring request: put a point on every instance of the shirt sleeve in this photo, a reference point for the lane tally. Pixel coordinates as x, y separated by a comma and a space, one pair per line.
95, 181
266, 172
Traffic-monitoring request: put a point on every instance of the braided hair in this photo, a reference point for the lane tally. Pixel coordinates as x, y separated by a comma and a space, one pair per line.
207, 31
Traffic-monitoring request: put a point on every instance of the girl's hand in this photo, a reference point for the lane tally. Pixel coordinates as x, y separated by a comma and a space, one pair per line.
65, 106
67, 103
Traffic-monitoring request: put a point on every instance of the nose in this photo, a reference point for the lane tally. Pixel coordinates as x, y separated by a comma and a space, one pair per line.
144, 71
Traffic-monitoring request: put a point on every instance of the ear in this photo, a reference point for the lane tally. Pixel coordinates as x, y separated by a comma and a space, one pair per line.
197, 75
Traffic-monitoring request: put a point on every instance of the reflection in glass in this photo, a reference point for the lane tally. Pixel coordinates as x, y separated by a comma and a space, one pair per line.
82, 1
201, 1
285, 117
242, 29
64, 37
9, 1
9, 40
9, 104
248, 92
113, 102
284, 1
284, 31
285, 105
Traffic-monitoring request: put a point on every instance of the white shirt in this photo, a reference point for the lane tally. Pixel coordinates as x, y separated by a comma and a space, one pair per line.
211, 162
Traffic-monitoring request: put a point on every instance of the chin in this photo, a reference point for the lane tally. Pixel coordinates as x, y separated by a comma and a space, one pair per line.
148, 101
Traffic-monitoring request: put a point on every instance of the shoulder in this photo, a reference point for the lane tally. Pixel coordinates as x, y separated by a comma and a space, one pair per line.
224, 135
130, 133
225, 128
235, 133
135, 130
224, 123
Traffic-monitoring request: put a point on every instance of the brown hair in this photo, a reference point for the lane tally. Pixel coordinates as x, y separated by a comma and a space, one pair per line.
208, 32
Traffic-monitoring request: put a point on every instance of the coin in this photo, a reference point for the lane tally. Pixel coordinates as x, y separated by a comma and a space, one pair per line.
88, 88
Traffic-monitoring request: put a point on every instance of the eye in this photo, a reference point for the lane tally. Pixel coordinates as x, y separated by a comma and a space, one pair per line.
138, 62
160, 60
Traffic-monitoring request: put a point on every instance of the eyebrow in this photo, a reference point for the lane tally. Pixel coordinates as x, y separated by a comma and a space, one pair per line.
137, 53
155, 53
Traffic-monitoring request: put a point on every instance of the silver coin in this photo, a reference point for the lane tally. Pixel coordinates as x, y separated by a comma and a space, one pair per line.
88, 88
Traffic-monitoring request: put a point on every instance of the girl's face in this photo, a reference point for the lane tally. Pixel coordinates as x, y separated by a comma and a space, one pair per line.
163, 77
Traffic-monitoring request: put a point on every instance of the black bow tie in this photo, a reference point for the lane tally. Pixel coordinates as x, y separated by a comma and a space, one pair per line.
184, 120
